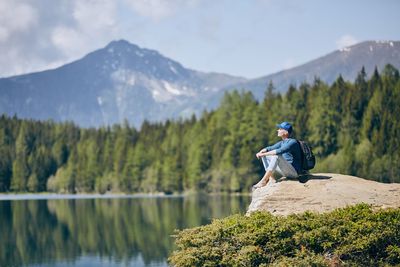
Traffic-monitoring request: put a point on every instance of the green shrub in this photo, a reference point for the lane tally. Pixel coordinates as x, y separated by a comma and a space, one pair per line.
352, 236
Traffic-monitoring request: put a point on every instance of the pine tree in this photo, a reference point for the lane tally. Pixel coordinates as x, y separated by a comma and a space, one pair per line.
33, 183
70, 176
322, 125
372, 122
93, 169
172, 160
5, 157
60, 152
198, 156
21, 170
20, 174
302, 111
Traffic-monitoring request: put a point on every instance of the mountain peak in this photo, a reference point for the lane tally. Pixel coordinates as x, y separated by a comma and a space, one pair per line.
121, 55
370, 45
122, 45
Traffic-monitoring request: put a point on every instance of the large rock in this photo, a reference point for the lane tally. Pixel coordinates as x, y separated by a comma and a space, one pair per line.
322, 192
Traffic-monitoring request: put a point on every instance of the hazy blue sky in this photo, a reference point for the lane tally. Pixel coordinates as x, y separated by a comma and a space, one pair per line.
248, 38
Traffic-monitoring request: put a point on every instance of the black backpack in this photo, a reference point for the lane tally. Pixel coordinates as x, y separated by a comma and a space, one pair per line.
307, 156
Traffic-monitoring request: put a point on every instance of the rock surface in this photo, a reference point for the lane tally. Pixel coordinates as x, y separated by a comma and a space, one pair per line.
322, 192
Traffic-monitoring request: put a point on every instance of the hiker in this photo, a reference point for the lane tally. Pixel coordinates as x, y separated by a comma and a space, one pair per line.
284, 156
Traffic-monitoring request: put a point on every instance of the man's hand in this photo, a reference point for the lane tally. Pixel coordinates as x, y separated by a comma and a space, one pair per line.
261, 153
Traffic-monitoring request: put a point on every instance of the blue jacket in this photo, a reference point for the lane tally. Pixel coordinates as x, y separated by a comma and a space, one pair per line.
290, 150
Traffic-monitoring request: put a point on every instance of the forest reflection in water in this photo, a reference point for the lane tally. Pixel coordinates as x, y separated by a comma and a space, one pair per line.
129, 231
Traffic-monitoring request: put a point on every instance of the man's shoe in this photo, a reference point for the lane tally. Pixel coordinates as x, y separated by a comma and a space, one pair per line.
260, 184
303, 178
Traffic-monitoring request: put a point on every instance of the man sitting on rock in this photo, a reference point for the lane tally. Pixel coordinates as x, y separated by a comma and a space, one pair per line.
284, 156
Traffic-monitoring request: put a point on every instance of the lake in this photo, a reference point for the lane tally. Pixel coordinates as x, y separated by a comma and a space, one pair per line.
101, 231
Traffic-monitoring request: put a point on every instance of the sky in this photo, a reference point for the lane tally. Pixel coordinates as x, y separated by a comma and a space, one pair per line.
249, 38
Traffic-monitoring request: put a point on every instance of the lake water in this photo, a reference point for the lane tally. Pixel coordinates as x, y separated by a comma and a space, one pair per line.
102, 231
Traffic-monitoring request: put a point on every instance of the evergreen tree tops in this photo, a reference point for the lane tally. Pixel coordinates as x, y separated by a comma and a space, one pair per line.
354, 128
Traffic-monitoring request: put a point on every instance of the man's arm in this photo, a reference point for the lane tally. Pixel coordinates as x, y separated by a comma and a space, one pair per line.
268, 153
269, 150
285, 147
273, 147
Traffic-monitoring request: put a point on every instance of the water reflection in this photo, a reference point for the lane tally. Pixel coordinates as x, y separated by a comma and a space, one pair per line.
102, 232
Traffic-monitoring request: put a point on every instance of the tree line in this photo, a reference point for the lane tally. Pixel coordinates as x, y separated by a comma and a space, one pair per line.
353, 128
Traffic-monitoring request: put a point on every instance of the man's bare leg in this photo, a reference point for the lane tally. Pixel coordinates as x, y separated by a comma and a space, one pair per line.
264, 180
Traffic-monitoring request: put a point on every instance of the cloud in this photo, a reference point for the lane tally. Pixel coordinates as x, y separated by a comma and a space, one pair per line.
95, 15
159, 9
22, 18
68, 41
41, 34
346, 40
94, 23
288, 64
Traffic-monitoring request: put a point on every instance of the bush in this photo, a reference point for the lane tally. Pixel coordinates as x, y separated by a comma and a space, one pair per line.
352, 236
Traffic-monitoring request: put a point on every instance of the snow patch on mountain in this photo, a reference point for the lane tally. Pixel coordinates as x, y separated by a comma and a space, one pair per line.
171, 89
158, 90
171, 67
124, 76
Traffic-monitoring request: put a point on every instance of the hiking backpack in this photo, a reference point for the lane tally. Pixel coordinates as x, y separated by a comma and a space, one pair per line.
307, 156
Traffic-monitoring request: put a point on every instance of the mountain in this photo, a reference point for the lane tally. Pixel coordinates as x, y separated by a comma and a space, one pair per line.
346, 62
120, 81
123, 81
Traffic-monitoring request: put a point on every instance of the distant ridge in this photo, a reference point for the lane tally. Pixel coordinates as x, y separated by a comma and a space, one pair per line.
123, 81
347, 62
